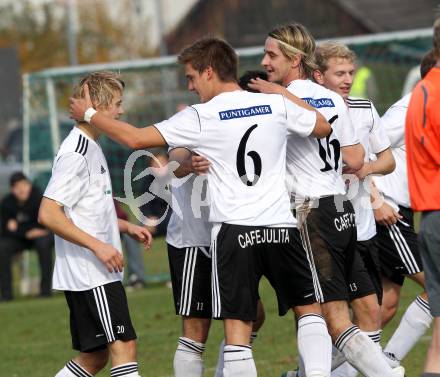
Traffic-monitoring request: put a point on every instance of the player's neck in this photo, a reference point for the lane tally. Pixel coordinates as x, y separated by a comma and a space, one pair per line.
226, 87
89, 130
292, 76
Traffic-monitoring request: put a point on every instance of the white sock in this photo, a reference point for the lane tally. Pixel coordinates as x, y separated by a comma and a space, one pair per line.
188, 360
220, 360
361, 352
414, 323
338, 358
125, 370
344, 370
314, 345
73, 369
239, 362
375, 336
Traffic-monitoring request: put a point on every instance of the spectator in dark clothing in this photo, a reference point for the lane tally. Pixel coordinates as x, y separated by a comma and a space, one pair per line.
20, 230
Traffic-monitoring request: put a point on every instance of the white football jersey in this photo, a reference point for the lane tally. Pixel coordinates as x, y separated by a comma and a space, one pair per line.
81, 183
314, 166
243, 135
189, 224
374, 139
394, 186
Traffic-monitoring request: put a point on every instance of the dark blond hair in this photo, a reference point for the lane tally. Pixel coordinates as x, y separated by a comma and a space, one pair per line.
212, 52
436, 35
327, 50
294, 39
103, 86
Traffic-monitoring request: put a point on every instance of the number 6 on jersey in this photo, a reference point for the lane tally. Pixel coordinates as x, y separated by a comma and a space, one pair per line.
241, 163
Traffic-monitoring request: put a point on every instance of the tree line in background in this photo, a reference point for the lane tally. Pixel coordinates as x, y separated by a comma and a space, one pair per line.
104, 34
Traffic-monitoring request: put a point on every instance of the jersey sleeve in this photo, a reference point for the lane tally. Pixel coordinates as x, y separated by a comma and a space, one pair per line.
394, 123
299, 120
347, 131
378, 138
182, 129
70, 179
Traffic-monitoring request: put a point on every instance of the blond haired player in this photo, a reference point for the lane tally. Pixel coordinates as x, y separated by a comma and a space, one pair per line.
78, 207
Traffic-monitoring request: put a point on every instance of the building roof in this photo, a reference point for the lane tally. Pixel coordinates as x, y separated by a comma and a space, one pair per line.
246, 22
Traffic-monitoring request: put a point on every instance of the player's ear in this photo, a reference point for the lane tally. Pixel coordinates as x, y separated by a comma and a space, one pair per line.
296, 60
209, 72
318, 76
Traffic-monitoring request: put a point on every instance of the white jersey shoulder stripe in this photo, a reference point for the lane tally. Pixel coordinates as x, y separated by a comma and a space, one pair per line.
83, 144
358, 103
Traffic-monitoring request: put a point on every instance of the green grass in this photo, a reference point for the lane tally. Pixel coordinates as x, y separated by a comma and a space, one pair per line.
35, 338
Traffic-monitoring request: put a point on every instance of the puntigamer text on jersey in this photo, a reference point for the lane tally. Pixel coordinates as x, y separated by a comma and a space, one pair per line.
318, 103
246, 112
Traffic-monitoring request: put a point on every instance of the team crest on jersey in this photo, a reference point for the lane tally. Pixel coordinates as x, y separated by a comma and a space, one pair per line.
246, 112
317, 103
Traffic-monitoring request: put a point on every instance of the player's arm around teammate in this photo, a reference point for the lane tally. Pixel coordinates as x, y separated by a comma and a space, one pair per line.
148, 137
352, 155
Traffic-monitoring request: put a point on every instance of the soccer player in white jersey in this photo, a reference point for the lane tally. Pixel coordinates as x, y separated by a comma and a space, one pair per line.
189, 361
397, 240
325, 215
78, 207
188, 239
243, 135
336, 67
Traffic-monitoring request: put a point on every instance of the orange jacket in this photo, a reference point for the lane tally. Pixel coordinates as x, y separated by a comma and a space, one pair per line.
422, 137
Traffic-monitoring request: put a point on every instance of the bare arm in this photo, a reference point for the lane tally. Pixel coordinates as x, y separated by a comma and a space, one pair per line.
189, 162
384, 164
139, 233
183, 157
322, 127
353, 157
121, 132
384, 214
52, 216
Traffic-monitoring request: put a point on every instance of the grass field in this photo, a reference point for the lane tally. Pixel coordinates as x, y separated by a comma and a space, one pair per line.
35, 339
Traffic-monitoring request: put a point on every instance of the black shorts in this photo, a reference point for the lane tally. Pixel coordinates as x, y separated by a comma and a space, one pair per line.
364, 278
398, 248
330, 236
190, 270
99, 316
241, 255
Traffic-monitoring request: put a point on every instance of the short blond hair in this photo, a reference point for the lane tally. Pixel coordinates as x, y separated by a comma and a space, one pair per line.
294, 39
103, 85
327, 50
